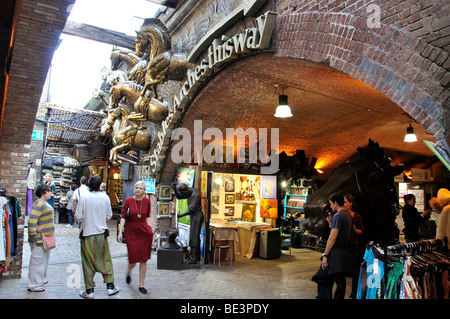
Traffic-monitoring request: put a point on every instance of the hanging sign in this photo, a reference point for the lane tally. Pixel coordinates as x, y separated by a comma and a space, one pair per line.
150, 185
37, 136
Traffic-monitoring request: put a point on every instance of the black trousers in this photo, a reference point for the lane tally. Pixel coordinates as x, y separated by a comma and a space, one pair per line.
325, 287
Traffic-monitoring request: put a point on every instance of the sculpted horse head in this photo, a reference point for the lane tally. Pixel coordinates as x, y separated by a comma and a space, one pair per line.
152, 35
163, 64
370, 179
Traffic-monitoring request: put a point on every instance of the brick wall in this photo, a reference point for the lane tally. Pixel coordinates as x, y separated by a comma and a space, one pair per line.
406, 58
36, 37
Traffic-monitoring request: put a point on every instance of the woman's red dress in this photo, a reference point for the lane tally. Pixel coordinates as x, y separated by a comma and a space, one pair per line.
138, 234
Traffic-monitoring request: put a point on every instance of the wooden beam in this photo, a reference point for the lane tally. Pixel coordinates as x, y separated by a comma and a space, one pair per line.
99, 34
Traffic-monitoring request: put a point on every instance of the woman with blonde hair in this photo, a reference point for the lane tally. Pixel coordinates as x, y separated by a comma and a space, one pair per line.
48, 180
138, 233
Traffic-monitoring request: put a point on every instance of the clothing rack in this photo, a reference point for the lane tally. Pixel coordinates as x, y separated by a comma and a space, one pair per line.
414, 248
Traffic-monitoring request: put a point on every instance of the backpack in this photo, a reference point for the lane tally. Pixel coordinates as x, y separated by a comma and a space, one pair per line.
59, 160
48, 162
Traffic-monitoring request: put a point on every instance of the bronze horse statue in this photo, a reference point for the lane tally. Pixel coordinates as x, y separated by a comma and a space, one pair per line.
144, 109
163, 64
125, 134
370, 179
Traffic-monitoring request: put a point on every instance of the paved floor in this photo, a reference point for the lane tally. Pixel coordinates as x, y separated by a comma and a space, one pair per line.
288, 277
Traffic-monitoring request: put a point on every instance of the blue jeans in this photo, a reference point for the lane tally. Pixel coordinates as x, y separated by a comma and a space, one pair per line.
70, 214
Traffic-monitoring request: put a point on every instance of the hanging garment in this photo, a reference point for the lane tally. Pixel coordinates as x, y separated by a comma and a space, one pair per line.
394, 275
409, 285
3, 221
370, 277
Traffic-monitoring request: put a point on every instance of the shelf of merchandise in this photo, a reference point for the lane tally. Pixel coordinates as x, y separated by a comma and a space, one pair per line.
286, 201
287, 241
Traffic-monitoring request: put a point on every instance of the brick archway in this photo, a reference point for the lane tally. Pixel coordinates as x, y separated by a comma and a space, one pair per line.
398, 59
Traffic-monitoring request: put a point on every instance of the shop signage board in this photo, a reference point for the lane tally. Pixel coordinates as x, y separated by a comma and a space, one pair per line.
150, 185
219, 51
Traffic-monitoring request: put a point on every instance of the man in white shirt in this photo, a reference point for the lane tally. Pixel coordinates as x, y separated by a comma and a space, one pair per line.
77, 194
93, 210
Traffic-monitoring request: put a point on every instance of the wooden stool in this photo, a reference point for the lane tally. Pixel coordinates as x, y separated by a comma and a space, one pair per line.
223, 247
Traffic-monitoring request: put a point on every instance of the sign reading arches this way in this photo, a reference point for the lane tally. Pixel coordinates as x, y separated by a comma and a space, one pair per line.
219, 51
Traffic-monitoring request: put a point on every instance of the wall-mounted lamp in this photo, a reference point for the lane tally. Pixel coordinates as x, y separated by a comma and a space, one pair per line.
283, 109
116, 176
410, 136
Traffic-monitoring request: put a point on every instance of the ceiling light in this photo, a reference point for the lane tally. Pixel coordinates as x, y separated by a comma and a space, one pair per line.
283, 109
410, 136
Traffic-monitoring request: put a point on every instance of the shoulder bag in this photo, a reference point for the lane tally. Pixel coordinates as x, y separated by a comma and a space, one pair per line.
48, 241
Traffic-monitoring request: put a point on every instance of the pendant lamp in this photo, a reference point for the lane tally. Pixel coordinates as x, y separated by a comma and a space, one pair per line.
410, 136
283, 110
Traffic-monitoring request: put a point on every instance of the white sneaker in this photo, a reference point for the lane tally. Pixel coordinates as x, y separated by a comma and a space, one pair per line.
113, 291
86, 295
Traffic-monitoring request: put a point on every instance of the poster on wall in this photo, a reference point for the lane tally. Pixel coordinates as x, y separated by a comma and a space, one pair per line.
204, 184
269, 187
186, 176
250, 188
248, 212
268, 208
182, 207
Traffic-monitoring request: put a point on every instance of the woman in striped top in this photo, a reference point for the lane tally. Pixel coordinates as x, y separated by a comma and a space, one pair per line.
41, 215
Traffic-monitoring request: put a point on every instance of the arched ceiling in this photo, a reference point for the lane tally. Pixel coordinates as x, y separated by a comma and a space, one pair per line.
333, 113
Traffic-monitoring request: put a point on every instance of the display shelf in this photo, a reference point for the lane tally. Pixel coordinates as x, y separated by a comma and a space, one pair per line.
297, 200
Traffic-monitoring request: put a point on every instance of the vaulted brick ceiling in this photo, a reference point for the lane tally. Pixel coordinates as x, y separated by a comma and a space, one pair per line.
333, 114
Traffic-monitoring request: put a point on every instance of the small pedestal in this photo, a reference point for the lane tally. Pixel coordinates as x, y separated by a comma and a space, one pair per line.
170, 258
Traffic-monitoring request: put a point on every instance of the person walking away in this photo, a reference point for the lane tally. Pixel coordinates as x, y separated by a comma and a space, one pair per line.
337, 259
93, 210
78, 193
138, 233
412, 218
41, 220
69, 206
358, 245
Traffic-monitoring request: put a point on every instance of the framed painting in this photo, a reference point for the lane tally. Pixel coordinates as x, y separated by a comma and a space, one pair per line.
164, 209
229, 198
248, 212
229, 186
229, 211
165, 192
185, 175
269, 187
268, 208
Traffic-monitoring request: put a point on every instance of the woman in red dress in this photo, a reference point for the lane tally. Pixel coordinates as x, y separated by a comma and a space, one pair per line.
138, 233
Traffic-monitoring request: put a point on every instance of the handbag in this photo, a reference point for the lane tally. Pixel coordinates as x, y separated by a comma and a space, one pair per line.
48, 241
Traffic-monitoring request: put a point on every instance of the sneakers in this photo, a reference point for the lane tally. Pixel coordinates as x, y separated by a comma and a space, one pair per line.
86, 295
113, 291
89, 294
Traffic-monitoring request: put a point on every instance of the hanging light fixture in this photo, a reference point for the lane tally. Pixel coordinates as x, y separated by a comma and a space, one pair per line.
283, 109
410, 136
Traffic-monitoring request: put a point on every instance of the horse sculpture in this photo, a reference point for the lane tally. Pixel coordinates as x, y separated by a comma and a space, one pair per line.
163, 64
125, 134
370, 179
144, 109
